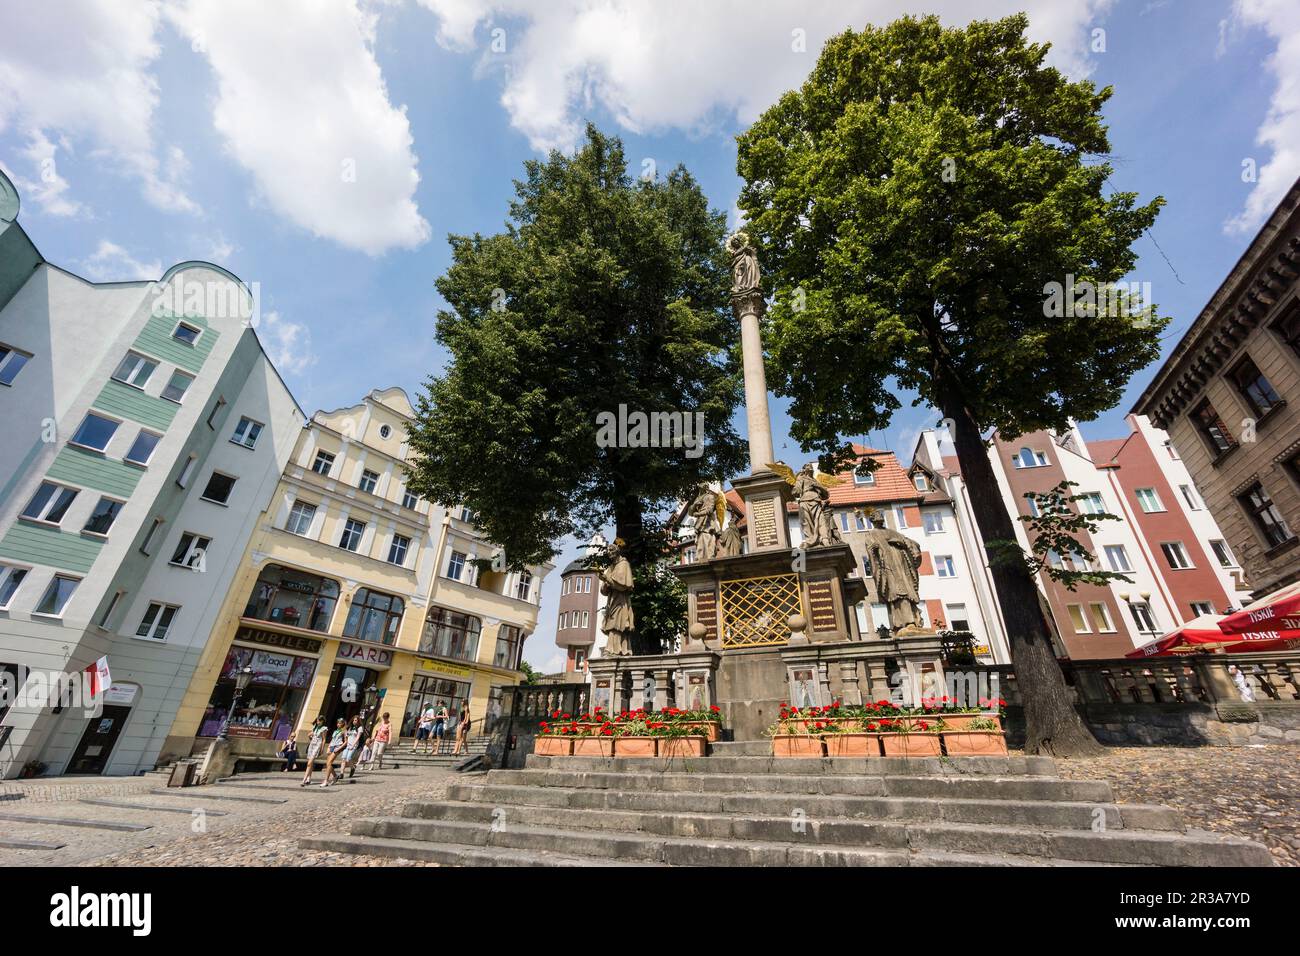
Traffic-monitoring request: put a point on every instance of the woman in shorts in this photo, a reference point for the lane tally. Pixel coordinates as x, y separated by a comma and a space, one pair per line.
338, 743
319, 731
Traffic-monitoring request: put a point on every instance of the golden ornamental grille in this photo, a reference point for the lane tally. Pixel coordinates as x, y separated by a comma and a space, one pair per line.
756, 611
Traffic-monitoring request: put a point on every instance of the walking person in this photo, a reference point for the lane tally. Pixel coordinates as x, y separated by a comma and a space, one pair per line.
356, 738
289, 751
440, 724
424, 730
379, 742
319, 731
338, 742
462, 731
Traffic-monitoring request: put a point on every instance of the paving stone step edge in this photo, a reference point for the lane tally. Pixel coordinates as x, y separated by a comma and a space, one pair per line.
933, 766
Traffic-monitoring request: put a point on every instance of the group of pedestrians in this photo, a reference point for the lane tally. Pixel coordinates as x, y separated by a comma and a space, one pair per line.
346, 745
431, 729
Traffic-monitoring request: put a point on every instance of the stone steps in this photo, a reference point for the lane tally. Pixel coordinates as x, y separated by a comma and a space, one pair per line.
753, 810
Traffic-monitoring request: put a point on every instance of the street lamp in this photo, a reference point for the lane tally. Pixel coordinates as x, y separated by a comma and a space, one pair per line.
243, 677
1146, 598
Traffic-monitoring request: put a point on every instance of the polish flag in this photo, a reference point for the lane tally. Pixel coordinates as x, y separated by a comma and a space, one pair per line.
97, 677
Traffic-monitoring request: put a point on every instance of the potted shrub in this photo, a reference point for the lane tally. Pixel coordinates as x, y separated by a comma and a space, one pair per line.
903, 737
842, 739
981, 736
551, 742
707, 722
636, 738
794, 738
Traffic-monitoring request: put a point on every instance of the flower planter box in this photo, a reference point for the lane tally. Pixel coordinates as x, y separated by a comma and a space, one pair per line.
852, 745
796, 745
593, 746
681, 746
708, 728
962, 721
910, 745
975, 743
634, 746
552, 746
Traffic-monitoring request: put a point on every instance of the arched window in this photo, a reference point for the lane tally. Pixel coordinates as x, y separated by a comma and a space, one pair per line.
449, 634
374, 616
1028, 458
293, 597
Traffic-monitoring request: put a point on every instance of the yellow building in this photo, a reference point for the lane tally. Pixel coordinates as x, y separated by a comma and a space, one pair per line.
350, 582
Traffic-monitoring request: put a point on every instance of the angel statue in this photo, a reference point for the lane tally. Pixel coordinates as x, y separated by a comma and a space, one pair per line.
707, 510
895, 560
616, 584
811, 494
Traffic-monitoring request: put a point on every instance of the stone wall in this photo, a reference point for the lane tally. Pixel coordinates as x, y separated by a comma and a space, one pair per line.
1182, 725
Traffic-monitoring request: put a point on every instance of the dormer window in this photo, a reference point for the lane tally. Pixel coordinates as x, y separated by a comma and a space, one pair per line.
921, 483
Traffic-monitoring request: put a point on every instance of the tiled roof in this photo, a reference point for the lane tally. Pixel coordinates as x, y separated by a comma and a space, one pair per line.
892, 483
1104, 452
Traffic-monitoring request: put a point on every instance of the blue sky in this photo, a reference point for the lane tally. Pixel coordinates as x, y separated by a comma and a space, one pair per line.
325, 150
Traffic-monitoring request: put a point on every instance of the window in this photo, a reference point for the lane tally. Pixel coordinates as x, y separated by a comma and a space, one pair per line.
1143, 618
524, 585
1191, 497
1268, 520
11, 363
156, 621
112, 606
957, 619
564, 616
183, 479
409, 500
1202, 607
10, 578
56, 596
586, 619
510, 641
101, 519
450, 634
1078, 619
1031, 505
369, 479
147, 543
191, 550
323, 463
300, 518
142, 448
1148, 500
933, 521
1222, 554
95, 432
350, 540
217, 406
455, 565
1101, 617
921, 483
1117, 558
1176, 555
1288, 327
134, 370
868, 478
467, 515
900, 517
852, 522
1254, 388
177, 386
944, 567
184, 332
1028, 458
1212, 429
219, 488
293, 597
1092, 504
1172, 451
374, 616
398, 548
587, 584
50, 503
246, 432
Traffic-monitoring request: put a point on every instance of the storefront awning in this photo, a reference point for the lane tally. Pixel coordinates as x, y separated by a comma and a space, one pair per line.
1279, 611
1205, 634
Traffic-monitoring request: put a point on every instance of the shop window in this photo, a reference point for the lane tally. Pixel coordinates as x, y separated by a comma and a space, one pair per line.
374, 616
450, 634
270, 707
294, 598
510, 642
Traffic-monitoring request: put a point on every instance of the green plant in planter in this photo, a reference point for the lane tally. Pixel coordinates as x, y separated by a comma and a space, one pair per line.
983, 724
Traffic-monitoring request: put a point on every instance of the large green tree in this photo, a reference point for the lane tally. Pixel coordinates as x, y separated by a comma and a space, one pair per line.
601, 291
912, 203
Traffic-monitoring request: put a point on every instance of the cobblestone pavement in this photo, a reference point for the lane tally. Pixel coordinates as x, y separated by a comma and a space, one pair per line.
247, 834
1251, 791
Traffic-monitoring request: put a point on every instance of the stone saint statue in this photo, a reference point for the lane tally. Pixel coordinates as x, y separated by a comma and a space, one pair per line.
814, 509
730, 542
616, 584
895, 559
704, 510
744, 264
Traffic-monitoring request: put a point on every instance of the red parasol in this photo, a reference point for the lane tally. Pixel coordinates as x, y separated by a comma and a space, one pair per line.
1279, 611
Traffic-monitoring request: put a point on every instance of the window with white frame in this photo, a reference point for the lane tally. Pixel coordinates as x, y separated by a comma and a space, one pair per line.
57, 595
246, 432
1148, 500
190, 550
12, 361
900, 517
944, 567
157, 620
1029, 458
300, 518
102, 518
524, 586
586, 619
323, 463
134, 370
1176, 555
1202, 607
95, 432
397, 549
143, 447
1092, 504
11, 576
1117, 557
409, 500
1173, 452
1191, 497
1031, 506
1078, 619
50, 503
177, 386
186, 333
1143, 618
867, 479
957, 619
369, 480
933, 521
350, 539
456, 565
1101, 617
1223, 554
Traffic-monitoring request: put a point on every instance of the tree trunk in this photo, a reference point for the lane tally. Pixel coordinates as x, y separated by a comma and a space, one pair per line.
1052, 725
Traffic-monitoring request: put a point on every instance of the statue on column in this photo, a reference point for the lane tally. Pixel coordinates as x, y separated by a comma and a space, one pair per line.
707, 510
895, 560
616, 584
744, 264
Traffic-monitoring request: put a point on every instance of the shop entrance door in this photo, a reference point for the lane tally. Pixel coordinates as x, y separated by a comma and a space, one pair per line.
346, 696
91, 755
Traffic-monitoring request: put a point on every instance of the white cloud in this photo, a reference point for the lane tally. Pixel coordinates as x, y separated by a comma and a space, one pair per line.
1280, 131
48, 189
111, 263
81, 67
302, 105
687, 64
288, 344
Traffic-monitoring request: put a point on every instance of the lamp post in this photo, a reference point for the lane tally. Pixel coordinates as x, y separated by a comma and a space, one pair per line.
1146, 598
243, 677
